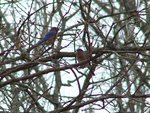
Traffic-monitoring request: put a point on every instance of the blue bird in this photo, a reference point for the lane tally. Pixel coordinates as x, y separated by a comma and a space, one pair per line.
50, 37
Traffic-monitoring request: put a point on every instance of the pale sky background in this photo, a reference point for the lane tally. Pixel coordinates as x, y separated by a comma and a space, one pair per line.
67, 75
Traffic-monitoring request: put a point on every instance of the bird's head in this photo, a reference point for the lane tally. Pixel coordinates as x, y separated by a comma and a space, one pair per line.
79, 50
55, 29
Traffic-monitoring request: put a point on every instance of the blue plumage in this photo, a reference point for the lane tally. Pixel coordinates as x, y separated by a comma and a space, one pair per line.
49, 37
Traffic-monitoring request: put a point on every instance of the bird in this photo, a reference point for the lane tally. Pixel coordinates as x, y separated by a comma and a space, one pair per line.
50, 37
82, 56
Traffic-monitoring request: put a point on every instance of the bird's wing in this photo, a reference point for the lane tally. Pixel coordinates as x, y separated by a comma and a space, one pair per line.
47, 37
